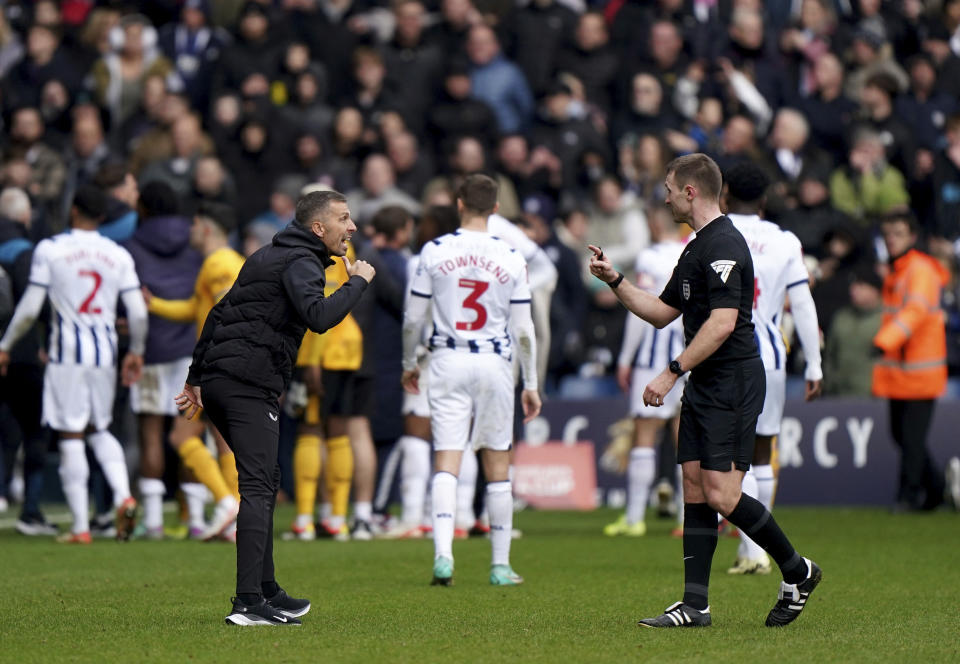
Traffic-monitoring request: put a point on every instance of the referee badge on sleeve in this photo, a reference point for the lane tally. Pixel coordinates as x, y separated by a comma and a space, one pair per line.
686, 289
723, 269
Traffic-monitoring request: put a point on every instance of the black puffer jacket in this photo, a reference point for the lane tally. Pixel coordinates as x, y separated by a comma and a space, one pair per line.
252, 335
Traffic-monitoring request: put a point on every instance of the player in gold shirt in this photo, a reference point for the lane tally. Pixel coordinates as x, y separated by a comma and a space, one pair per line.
212, 224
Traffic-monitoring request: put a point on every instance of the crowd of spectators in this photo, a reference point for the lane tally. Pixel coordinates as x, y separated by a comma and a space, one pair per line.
575, 107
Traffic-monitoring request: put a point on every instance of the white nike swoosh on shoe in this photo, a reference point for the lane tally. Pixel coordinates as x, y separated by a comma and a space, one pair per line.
687, 557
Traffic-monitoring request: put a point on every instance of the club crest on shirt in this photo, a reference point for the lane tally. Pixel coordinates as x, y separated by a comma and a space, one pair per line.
686, 289
723, 269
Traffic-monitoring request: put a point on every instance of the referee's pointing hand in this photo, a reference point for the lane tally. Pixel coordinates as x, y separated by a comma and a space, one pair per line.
601, 266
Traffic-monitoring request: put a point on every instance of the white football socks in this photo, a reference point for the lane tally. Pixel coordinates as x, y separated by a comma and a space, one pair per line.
109, 454
151, 497
500, 507
444, 495
363, 511
766, 484
74, 473
748, 548
640, 475
466, 490
414, 477
197, 495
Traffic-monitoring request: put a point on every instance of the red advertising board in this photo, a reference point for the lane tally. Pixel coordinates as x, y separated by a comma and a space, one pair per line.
556, 475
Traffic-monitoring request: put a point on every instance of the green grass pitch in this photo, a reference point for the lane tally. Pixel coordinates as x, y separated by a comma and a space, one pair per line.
889, 594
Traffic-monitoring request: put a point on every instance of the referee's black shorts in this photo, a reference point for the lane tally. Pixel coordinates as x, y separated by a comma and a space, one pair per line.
347, 394
718, 416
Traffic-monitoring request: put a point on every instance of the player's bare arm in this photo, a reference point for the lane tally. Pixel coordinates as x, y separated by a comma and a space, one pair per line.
641, 303
708, 339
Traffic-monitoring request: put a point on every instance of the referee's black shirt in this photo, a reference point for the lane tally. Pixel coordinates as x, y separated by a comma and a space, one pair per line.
715, 271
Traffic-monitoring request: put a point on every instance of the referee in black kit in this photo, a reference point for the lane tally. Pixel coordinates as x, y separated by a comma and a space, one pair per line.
712, 286
242, 363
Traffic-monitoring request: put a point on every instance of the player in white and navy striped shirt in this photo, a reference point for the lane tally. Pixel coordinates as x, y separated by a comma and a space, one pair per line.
476, 287
779, 273
414, 446
83, 274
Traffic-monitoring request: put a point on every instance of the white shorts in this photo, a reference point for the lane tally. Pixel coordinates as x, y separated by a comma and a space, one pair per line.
75, 397
470, 387
153, 394
772, 414
671, 403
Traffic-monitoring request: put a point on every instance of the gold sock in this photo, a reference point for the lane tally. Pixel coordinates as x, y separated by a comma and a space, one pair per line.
198, 459
228, 466
306, 472
339, 475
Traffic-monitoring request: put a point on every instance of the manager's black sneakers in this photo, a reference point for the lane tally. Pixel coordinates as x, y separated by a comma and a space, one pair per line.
288, 606
679, 615
260, 613
793, 597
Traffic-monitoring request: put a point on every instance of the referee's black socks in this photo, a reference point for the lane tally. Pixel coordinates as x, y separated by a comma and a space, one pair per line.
754, 519
699, 543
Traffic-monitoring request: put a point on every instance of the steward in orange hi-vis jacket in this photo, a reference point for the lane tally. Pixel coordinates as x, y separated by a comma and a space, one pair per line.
912, 337
913, 370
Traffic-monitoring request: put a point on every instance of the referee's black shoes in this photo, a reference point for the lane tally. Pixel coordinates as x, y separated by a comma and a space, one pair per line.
793, 597
261, 613
679, 615
288, 606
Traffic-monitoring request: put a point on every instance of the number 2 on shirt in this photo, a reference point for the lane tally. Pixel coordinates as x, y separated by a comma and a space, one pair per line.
477, 288
85, 308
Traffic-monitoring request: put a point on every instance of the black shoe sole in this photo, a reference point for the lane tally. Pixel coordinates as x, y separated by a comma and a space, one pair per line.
437, 581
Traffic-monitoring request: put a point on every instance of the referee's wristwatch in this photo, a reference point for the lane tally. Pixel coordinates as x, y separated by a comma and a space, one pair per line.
675, 368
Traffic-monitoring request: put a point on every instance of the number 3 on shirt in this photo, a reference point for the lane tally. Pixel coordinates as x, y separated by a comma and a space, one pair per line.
477, 288
85, 308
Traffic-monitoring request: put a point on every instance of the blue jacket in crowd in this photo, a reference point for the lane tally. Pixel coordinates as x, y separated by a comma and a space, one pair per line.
501, 84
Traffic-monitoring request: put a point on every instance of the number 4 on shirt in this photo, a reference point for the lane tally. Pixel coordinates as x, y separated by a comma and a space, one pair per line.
477, 288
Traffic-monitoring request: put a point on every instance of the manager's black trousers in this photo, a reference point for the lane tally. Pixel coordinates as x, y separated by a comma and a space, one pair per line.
249, 422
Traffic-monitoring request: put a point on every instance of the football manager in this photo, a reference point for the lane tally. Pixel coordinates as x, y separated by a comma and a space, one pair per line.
242, 363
